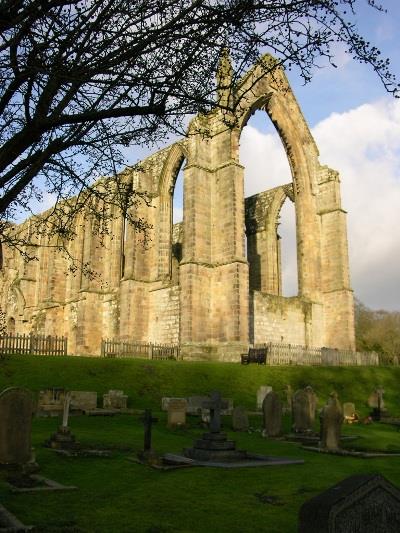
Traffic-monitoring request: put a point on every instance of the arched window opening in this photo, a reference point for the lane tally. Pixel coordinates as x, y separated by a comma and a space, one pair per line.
263, 156
266, 170
177, 221
288, 250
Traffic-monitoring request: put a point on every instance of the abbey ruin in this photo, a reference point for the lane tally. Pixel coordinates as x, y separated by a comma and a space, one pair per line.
194, 285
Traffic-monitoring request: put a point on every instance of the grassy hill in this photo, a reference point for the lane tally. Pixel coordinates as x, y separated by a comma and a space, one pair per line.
117, 495
146, 382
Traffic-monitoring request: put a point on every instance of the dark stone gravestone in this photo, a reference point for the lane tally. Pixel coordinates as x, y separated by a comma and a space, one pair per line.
331, 420
16, 409
358, 504
214, 446
272, 411
148, 455
63, 439
240, 419
303, 410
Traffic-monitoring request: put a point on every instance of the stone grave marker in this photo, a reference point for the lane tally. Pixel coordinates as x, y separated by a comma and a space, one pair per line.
240, 419
303, 410
313, 403
289, 398
349, 413
83, 400
195, 404
361, 503
148, 455
272, 411
331, 419
16, 409
115, 399
51, 401
177, 412
63, 438
375, 399
165, 402
261, 394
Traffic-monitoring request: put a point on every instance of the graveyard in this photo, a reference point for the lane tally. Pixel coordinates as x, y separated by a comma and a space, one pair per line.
115, 492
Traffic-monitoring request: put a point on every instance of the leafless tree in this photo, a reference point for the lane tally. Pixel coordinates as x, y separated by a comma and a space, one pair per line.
82, 79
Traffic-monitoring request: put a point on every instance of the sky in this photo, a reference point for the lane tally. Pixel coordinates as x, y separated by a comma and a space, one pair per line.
356, 125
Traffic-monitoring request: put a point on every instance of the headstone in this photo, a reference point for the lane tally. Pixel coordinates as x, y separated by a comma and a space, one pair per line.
240, 419
362, 503
215, 404
313, 403
177, 412
349, 413
148, 420
165, 402
303, 410
51, 401
331, 422
115, 399
63, 439
261, 394
195, 404
375, 399
214, 446
272, 411
289, 398
16, 408
83, 400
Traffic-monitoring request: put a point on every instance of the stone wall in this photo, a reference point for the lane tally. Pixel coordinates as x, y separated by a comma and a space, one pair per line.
193, 283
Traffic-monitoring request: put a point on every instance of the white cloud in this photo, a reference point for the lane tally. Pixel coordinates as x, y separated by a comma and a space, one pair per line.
364, 146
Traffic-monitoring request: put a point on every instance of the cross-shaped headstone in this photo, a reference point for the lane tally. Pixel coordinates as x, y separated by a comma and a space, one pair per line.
67, 401
215, 404
148, 421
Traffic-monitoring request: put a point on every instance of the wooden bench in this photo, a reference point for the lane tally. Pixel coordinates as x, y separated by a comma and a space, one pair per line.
255, 355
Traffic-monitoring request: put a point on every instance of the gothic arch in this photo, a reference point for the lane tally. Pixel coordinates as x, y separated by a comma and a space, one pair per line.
273, 94
172, 165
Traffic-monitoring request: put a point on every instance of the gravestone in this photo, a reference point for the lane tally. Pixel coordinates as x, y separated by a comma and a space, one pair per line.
83, 400
331, 419
240, 419
115, 399
148, 455
289, 398
261, 394
303, 410
195, 404
214, 446
165, 402
313, 403
360, 503
349, 413
51, 401
272, 411
63, 439
16, 409
177, 412
375, 399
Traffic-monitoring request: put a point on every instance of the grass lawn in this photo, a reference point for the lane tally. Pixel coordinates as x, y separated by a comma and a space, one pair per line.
116, 495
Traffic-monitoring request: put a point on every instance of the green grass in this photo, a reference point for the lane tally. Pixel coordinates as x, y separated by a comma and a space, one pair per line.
116, 495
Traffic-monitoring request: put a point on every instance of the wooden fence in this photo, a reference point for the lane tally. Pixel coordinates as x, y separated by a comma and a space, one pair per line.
293, 354
147, 350
32, 345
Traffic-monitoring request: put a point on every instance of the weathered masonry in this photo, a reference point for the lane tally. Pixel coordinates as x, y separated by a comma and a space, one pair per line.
194, 284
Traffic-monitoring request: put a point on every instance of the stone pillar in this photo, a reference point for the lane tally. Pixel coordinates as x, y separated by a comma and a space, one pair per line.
337, 295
